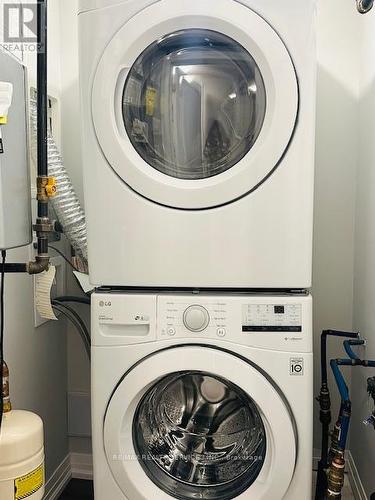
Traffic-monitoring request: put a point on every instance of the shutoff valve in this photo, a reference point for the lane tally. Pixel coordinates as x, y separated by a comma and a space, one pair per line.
6, 96
46, 187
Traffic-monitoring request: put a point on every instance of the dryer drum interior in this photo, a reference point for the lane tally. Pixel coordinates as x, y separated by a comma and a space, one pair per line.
194, 104
199, 436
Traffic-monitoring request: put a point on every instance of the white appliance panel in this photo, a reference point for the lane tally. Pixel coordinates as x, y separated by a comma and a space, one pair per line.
125, 366
263, 240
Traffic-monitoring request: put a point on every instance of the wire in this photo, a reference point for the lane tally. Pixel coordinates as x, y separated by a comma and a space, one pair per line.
64, 257
3, 258
77, 323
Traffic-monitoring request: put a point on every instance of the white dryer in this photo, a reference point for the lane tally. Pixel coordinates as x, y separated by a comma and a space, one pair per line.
202, 396
198, 141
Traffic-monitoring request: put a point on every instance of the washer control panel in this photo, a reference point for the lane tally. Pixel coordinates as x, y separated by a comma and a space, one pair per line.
282, 322
272, 318
272, 322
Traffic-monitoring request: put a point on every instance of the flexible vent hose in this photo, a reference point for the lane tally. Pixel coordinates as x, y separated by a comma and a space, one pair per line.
66, 204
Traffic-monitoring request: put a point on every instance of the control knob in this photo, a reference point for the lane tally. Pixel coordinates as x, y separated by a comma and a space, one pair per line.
196, 318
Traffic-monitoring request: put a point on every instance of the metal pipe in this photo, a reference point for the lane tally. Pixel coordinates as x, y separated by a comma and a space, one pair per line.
323, 348
42, 95
364, 6
15, 268
43, 223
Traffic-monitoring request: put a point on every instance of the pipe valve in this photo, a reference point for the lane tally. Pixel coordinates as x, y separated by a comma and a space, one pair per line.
46, 188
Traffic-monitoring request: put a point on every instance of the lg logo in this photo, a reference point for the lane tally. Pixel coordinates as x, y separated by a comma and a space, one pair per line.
20, 22
105, 304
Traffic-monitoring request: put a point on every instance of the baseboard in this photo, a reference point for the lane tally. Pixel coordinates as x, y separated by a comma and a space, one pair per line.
355, 479
81, 466
59, 479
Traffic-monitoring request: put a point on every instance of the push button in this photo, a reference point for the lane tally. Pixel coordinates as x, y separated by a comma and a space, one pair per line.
221, 332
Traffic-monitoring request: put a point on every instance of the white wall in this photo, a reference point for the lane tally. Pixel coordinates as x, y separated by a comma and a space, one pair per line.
336, 162
78, 364
363, 438
37, 357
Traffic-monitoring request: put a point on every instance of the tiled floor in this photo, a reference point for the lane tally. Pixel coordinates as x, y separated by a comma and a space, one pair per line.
78, 490
83, 490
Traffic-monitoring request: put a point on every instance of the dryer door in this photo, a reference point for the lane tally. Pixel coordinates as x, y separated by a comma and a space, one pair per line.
194, 107
198, 422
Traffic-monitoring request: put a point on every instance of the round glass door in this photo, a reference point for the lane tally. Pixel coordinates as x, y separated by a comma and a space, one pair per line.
194, 104
195, 422
199, 436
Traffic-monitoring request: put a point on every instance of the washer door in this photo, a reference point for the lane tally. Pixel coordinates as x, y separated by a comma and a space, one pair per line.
194, 107
198, 422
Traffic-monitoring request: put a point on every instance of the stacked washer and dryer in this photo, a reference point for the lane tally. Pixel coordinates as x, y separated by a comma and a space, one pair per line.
198, 137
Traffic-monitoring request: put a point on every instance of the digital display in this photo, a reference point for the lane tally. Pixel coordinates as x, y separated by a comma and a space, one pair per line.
279, 309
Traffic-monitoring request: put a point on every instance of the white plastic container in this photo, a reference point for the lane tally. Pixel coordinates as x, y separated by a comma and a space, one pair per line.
21, 457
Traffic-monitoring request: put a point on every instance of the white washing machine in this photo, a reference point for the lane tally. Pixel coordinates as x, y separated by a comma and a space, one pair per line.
198, 141
202, 396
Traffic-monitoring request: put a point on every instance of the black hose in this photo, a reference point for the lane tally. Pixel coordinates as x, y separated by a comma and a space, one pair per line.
73, 319
77, 317
78, 300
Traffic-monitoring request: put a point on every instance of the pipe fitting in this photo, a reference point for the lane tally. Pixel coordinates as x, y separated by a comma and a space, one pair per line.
324, 399
336, 477
40, 264
364, 6
46, 188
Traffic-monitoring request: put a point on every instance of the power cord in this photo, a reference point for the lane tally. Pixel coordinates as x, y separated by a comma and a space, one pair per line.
64, 257
3, 259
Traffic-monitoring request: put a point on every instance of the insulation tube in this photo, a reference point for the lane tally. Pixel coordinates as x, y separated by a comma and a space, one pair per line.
66, 204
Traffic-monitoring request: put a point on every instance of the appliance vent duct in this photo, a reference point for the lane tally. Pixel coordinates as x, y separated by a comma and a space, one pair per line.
66, 204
